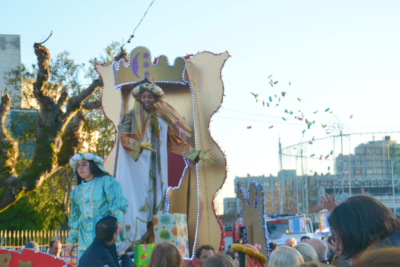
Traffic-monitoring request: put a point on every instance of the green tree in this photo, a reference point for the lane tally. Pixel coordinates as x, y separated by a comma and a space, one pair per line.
66, 119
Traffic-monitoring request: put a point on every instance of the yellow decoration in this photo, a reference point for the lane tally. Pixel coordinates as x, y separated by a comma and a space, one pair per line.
248, 251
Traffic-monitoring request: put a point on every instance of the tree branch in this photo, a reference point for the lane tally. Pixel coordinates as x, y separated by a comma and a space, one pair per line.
64, 97
41, 94
8, 146
75, 103
92, 105
4, 108
71, 139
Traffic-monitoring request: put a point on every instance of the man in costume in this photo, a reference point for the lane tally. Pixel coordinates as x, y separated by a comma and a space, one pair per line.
145, 134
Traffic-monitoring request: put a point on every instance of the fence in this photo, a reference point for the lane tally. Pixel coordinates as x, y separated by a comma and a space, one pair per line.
18, 238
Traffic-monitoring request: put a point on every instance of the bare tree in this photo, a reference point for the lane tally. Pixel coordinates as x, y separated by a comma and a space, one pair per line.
58, 134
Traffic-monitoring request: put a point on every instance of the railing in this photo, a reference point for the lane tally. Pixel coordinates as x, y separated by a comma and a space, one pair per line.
18, 238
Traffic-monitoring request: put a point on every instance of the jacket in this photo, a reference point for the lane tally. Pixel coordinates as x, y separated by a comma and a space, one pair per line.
99, 254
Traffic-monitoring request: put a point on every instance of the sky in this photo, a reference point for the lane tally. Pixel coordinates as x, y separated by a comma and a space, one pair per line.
341, 55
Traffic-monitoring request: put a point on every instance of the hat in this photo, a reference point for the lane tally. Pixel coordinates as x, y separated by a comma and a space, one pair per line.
147, 84
88, 156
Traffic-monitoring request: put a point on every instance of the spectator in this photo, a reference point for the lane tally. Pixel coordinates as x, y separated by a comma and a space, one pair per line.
307, 252
291, 242
371, 223
248, 255
32, 245
271, 247
321, 248
55, 248
388, 257
285, 256
219, 260
312, 264
103, 251
202, 253
165, 254
304, 239
229, 251
336, 260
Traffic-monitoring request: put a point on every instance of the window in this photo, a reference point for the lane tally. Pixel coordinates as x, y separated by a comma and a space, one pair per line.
378, 151
231, 205
311, 183
289, 183
276, 184
323, 182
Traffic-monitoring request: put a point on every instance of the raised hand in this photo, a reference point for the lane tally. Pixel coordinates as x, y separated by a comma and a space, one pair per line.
146, 145
204, 156
329, 203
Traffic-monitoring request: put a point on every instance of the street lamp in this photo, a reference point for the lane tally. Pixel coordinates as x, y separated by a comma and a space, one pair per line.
394, 196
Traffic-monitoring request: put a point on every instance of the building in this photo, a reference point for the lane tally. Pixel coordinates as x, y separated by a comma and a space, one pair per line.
368, 171
10, 55
231, 205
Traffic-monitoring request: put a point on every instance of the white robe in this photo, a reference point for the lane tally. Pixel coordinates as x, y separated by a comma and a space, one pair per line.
136, 184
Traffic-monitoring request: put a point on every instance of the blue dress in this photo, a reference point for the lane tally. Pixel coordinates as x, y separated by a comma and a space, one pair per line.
90, 202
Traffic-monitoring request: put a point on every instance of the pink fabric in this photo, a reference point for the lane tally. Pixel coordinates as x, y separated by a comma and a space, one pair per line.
250, 261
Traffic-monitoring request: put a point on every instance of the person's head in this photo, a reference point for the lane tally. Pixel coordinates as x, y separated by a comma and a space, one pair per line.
320, 247
87, 166
388, 257
165, 254
219, 260
307, 251
55, 248
285, 256
291, 242
147, 99
371, 222
203, 252
32, 245
312, 264
229, 250
272, 246
106, 230
304, 239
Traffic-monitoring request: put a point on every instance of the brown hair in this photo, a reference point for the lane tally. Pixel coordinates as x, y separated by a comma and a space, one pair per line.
165, 254
359, 222
219, 260
389, 256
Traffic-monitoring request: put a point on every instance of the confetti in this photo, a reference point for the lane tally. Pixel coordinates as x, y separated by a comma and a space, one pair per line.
276, 82
307, 121
290, 83
351, 116
300, 118
323, 125
271, 84
329, 168
267, 104
310, 143
328, 133
277, 104
263, 103
315, 112
320, 157
255, 95
286, 111
269, 76
270, 99
309, 125
275, 95
271, 126
248, 127
303, 131
331, 152
299, 99
311, 171
283, 118
326, 110
312, 155
279, 99
283, 93
327, 156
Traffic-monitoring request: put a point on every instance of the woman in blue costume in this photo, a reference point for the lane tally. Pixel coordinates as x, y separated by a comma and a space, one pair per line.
96, 196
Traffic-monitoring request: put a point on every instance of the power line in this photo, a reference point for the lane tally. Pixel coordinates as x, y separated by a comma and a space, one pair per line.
133, 33
268, 116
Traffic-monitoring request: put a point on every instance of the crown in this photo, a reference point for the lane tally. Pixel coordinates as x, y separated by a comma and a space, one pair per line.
139, 66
